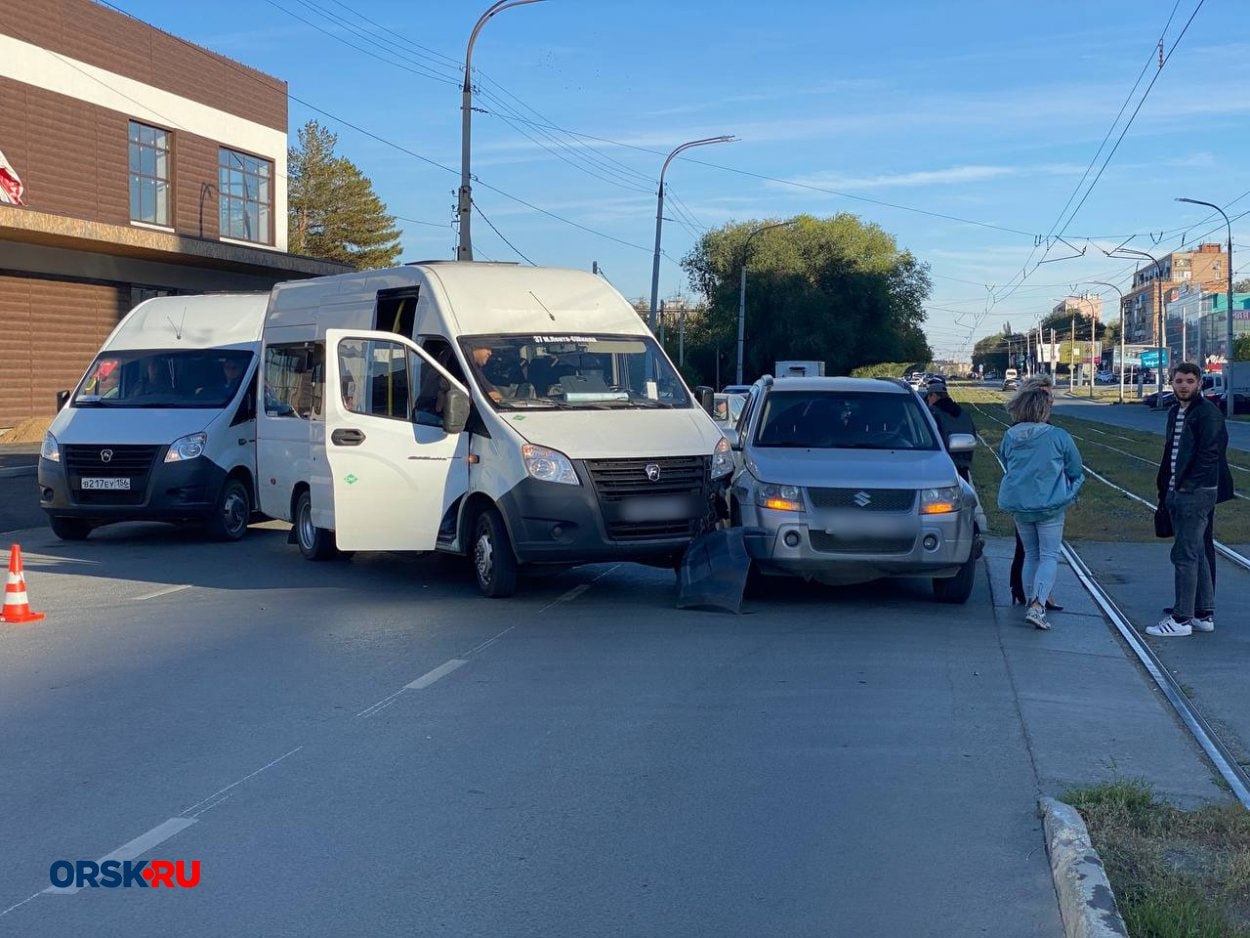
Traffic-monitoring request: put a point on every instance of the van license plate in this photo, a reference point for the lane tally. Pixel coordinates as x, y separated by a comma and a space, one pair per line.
113, 484
660, 508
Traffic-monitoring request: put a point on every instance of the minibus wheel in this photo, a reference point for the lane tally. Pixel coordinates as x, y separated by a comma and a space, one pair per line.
229, 519
314, 543
70, 529
494, 561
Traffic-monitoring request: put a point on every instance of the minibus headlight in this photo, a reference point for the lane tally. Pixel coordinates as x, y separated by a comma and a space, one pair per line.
187, 447
50, 450
548, 465
722, 459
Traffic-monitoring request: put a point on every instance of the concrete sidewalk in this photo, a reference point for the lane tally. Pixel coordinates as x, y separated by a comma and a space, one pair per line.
1089, 711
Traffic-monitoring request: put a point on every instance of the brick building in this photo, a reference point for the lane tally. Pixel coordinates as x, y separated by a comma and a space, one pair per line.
148, 166
1202, 267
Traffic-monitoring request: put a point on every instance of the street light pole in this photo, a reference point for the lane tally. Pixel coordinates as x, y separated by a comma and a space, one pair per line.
1122, 330
1228, 321
742, 289
1163, 329
659, 217
464, 198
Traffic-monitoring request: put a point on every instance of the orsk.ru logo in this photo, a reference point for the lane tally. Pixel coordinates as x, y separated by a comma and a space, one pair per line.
111, 874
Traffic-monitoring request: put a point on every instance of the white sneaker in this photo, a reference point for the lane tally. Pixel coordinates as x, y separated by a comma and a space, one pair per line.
1168, 627
1204, 624
1037, 618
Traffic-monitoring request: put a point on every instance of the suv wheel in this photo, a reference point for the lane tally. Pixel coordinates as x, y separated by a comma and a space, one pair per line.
70, 529
958, 588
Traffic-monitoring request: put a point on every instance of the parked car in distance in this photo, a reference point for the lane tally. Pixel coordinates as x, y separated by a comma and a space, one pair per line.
1106, 377
736, 389
845, 480
1241, 402
1010, 384
1162, 398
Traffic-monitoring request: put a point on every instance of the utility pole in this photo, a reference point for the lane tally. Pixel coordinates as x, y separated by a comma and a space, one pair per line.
464, 198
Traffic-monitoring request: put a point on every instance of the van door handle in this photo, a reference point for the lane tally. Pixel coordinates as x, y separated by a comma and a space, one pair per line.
347, 437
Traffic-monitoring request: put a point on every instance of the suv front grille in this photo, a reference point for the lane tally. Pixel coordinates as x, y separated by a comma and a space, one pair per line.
864, 499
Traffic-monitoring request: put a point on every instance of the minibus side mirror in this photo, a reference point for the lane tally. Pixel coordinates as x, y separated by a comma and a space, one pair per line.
707, 397
62, 398
455, 411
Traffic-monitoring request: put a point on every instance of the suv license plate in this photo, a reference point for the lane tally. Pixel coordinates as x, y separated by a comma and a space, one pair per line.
112, 484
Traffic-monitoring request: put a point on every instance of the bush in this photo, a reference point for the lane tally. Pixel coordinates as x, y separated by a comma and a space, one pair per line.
881, 370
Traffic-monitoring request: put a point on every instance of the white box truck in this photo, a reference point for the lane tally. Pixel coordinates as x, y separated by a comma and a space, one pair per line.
799, 369
516, 415
162, 427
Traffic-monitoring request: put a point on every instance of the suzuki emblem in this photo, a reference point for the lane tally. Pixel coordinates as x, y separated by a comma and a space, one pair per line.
862, 499
653, 472
106, 455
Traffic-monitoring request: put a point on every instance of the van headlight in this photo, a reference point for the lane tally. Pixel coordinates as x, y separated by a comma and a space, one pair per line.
187, 447
50, 450
780, 497
722, 459
940, 501
548, 465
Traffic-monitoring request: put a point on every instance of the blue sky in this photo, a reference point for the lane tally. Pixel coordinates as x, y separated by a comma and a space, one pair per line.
989, 112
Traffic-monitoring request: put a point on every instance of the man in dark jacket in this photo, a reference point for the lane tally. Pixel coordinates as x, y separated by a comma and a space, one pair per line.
951, 418
1193, 477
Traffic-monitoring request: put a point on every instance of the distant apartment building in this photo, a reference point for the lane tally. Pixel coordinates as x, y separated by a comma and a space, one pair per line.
1087, 305
1203, 266
132, 164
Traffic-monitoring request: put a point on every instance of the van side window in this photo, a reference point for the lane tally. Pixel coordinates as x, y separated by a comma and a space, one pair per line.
375, 378
294, 379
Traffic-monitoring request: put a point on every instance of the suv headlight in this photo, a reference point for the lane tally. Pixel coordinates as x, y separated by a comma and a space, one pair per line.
722, 459
50, 450
940, 501
779, 497
187, 447
548, 465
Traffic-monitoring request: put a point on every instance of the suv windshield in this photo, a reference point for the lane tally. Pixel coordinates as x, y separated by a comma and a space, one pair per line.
582, 372
844, 420
152, 378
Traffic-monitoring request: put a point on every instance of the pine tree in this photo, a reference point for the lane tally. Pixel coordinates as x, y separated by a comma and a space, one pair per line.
333, 212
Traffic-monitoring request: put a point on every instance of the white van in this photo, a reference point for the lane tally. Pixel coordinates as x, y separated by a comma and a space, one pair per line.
162, 426
519, 415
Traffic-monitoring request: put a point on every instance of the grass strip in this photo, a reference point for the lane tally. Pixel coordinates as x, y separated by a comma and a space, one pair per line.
1176, 874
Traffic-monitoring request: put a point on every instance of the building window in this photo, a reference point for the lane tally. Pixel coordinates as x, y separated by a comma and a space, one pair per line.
150, 166
246, 186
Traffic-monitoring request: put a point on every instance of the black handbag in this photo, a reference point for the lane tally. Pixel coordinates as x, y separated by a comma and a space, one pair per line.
1163, 521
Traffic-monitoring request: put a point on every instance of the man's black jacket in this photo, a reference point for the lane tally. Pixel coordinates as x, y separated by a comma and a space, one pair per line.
951, 418
1201, 459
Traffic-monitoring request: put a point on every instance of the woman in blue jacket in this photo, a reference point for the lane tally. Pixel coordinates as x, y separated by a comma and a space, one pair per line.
1042, 479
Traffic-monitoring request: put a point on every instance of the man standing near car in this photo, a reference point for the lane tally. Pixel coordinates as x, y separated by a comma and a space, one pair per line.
1193, 477
951, 419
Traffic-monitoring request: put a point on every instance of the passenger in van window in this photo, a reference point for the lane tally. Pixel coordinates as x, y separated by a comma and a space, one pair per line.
231, 374
155, 378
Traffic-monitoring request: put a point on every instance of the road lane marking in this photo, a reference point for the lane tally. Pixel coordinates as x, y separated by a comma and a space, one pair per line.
221, 791
135, 848
425, 680
163, 592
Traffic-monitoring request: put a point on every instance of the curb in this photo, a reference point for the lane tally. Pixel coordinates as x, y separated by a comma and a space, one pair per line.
1086, 902
10, 472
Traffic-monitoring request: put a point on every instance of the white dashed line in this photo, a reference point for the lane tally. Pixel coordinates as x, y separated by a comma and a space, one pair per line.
163, 592
425, 680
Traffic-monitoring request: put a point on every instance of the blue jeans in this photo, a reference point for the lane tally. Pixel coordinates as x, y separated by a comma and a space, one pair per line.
1041, 540
1192, 513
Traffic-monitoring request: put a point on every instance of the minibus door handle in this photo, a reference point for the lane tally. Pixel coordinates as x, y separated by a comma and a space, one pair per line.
347, 437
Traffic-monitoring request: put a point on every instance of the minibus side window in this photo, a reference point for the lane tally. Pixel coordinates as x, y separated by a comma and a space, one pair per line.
375, 378
294, 379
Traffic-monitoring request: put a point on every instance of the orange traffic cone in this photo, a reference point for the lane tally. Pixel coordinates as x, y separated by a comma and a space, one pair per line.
16, 605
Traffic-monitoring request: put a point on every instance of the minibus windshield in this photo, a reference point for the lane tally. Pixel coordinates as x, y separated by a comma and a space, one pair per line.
574, 372
163, 379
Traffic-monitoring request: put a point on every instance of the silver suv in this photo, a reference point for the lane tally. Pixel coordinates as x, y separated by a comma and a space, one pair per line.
845, 480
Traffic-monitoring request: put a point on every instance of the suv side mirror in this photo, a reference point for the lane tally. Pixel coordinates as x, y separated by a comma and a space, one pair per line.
961, 443
707, 398
455, 411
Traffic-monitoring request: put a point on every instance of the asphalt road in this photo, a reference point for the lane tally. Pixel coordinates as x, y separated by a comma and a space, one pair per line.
19, 504
1137, 416
367, 747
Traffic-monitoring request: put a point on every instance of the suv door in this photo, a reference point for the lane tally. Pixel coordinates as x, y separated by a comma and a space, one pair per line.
394, 469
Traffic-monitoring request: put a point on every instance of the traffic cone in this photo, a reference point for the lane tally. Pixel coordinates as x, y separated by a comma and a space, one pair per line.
16, 605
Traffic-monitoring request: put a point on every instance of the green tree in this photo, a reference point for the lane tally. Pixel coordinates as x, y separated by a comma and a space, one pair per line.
1241, 286
834, 289
1241, 348
333, 212
991, 351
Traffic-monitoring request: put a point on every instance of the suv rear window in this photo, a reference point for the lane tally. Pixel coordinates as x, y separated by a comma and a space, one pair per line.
843, 420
